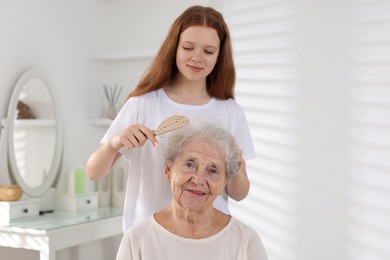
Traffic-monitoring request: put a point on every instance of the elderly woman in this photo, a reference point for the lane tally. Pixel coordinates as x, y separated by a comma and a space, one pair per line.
199, 160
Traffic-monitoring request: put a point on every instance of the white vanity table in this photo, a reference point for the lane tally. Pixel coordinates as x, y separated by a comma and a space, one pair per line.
30, 156
61, 229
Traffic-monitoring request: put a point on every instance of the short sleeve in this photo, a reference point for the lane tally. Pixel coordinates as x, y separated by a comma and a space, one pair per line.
243, 136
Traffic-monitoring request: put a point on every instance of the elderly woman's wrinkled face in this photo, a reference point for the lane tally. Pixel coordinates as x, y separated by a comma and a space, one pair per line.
197, 175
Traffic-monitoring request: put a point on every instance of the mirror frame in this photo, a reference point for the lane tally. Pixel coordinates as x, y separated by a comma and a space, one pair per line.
58, 148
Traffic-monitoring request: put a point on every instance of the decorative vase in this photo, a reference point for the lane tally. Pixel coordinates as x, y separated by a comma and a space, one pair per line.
111, 111
112, 94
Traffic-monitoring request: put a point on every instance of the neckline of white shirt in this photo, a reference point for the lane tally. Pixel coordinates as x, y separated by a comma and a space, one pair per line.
165, 97
192, 240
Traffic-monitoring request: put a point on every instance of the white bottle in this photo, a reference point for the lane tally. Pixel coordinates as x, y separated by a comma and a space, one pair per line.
71, 183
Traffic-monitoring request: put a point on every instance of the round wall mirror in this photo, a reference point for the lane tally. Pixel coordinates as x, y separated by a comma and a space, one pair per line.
34, 133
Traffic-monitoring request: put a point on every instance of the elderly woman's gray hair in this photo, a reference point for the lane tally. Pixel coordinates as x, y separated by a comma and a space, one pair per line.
210, 133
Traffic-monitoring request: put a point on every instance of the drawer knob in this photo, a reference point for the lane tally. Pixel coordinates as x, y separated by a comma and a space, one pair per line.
88, 201
25, 211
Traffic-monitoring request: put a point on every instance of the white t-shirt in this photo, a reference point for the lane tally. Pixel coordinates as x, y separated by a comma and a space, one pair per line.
147, 189
148, 240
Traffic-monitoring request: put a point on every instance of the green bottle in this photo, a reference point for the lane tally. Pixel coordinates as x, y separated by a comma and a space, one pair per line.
79, 177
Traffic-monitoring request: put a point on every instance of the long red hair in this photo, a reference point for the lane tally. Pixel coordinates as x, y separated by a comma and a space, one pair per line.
162, 71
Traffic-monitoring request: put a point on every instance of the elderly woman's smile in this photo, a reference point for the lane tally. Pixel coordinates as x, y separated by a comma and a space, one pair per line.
196, 192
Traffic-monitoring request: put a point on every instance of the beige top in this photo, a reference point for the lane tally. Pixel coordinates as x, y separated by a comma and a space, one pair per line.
148, 240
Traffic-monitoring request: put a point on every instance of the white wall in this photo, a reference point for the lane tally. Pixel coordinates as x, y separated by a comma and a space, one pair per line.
56, 38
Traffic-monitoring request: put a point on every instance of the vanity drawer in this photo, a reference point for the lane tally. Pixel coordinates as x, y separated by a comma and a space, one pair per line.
13, 210
77, 202
87, 201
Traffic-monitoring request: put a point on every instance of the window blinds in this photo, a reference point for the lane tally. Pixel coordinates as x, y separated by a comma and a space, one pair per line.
264, 52
369, 131
267, 43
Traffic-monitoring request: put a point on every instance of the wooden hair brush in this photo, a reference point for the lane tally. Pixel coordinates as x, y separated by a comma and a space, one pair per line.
171, 123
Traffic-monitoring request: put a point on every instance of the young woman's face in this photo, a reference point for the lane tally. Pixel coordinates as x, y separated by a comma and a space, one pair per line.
197, 52
197, 175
